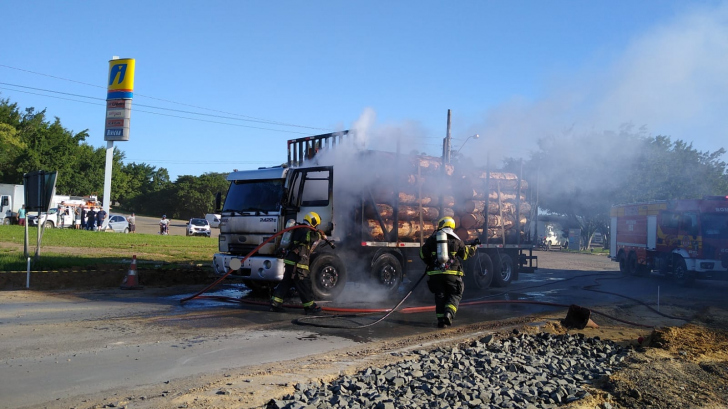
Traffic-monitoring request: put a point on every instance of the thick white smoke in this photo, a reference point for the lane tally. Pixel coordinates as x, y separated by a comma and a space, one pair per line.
671, 80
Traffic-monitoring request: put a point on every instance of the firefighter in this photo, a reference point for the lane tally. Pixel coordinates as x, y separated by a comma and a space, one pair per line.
443, 252
296, 262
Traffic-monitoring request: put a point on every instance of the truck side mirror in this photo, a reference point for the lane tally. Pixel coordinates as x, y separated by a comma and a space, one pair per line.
218, 199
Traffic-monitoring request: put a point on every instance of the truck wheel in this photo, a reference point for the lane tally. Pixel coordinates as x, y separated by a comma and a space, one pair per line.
6, 221
328, 276
681, 273
48, 224
126, 230
503, 270
632, 264
387, 272
622, 263
481, 271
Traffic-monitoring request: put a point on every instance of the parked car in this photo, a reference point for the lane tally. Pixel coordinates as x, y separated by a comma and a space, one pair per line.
118, 224
50, 219
198, 227
213, 219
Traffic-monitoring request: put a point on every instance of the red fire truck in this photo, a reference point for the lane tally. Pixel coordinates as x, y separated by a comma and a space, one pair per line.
684, 238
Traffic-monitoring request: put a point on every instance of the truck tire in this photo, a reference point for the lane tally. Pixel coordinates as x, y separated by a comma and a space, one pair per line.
387, 272
480, 272
503, 270
681, 273
622, 262
328, 276
632, 265
48, 224
6, 221
126, 230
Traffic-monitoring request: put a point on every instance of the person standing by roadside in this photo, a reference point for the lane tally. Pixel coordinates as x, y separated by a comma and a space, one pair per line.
84, 224
91, 225
77, 218
21, 216
59, 214
101, 218
132, 223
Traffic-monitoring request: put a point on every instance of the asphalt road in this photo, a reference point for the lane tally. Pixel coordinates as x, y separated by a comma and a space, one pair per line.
150, 225
69, 349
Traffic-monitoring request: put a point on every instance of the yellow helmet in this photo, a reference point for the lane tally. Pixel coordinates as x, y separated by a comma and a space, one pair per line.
312, 218
446, 222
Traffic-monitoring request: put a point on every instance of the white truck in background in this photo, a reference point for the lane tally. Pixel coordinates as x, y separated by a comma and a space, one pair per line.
12, 198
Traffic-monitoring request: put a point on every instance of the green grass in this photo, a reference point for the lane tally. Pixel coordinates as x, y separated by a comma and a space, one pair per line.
68, 248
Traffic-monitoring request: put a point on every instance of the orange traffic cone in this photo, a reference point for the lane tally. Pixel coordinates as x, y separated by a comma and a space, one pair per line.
131, 281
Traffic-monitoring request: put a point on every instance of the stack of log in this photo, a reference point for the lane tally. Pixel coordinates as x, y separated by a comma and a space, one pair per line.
428, 193
501, 195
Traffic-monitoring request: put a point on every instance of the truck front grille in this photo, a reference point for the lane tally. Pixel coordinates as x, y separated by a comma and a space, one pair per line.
239, 248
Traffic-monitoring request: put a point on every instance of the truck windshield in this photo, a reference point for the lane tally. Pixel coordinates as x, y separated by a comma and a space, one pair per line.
254, 196
715, 226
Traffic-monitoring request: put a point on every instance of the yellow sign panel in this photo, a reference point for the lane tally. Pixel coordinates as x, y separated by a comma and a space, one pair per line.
121, 79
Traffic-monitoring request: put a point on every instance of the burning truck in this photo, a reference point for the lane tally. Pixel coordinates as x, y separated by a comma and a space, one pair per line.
687, 239
378, 208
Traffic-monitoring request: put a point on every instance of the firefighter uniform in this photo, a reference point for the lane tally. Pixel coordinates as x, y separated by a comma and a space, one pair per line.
296, 272
446, 281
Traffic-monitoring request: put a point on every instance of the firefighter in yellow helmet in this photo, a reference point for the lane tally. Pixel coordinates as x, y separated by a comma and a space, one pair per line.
296, 260
443, 252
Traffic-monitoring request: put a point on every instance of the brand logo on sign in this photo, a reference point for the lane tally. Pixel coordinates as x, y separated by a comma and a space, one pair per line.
118, 70
721, 209
114, 132
267, 219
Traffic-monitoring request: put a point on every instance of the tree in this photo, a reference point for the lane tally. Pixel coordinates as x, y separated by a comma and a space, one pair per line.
196, 195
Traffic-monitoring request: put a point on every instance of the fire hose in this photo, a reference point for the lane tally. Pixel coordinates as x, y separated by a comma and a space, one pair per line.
356, 312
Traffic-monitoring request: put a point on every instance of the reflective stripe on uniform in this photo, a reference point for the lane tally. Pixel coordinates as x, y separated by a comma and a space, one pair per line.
276, 299
302, 266
448, 272
307, 304
289, 262
440, 315
452, 307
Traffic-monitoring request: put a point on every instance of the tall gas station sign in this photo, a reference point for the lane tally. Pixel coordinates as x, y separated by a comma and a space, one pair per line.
118, 99
119, 93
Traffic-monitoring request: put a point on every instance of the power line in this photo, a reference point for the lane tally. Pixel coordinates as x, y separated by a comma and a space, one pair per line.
154, 113
165, 100
153, 107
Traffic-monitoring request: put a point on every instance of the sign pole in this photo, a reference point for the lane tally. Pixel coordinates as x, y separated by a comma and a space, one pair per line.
107, 181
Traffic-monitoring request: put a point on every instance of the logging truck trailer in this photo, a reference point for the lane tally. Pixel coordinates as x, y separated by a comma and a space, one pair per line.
686, 239
260, 202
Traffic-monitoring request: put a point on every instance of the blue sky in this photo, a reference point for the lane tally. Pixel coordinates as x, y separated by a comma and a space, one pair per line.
512, 71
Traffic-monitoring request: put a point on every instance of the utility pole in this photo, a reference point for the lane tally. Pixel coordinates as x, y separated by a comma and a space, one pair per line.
447, 142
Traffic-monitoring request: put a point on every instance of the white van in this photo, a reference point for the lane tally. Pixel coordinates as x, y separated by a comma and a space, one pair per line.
213, 219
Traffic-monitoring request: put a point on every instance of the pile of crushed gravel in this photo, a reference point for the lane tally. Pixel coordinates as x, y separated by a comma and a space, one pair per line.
522, 371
